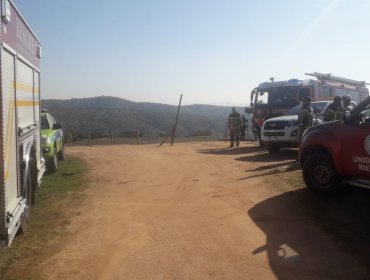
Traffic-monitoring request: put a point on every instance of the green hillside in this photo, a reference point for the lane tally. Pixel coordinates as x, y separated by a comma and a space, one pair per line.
103, 115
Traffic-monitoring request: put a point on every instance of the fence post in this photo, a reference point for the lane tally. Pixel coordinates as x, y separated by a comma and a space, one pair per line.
111, 139
138, 136
175, 126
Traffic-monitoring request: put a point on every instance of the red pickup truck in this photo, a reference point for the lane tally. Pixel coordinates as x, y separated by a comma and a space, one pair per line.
338, 153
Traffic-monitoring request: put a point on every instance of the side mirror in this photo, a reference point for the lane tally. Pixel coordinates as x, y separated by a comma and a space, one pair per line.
251, 103
56, 126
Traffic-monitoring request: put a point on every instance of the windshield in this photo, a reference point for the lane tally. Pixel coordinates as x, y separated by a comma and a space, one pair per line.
281, 95
44, 122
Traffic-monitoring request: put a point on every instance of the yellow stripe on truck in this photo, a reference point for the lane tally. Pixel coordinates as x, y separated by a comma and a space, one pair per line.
24, 103
25, 88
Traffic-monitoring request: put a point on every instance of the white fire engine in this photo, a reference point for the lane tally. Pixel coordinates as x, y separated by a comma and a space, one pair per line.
21, 165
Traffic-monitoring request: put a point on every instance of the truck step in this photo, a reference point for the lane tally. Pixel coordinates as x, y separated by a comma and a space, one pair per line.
359, 183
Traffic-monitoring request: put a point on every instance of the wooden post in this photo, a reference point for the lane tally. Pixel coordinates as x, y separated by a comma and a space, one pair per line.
89, 140
111, 138
138, 136
177, 116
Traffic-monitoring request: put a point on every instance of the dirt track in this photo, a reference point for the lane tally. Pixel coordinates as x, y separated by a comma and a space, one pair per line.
195, 211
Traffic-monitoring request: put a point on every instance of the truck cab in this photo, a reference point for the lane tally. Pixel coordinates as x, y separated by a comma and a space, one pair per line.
338, 152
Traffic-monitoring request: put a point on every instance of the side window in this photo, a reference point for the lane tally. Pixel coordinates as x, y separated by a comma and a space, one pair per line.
340, 92
355, 95
326, 92
44, 122
303, 92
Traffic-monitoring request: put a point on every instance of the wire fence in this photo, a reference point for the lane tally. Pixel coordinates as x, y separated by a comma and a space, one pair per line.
138, 141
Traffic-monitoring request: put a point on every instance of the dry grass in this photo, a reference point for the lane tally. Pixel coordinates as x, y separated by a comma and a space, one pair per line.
55, 201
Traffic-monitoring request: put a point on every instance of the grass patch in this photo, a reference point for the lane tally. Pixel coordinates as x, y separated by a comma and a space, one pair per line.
56, 200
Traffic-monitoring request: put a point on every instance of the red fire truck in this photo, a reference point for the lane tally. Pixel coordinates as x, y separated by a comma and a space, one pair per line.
273, 99
338, 152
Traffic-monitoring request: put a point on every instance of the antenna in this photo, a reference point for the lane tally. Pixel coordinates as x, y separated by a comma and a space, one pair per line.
331, 78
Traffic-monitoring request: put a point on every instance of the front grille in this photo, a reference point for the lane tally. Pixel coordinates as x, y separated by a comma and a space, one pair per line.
277, 125
274, 133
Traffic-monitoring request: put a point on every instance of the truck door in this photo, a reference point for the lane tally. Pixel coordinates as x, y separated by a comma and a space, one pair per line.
355, 143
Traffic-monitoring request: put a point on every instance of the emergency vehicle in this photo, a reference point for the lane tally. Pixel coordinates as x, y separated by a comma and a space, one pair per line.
338, 153
21, 165
273, 99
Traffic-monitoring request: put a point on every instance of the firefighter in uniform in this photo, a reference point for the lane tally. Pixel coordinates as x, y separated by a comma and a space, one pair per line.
335, 110
305, 115
234, 123
347, 103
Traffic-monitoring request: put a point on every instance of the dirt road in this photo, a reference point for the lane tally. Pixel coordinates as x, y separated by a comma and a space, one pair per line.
195, 211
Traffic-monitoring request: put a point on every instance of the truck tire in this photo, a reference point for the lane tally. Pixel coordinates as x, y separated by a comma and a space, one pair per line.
61, 153
273, 148
53, 162
28, 193
320, 175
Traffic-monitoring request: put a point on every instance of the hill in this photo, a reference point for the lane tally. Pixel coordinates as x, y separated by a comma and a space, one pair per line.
103, 115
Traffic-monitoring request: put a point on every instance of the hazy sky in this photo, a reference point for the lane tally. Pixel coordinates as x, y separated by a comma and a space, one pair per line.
211, 51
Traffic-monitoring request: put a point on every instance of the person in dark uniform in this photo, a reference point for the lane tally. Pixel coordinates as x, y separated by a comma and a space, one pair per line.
243, 127
234, 123
347, 103
305, 115
335, 110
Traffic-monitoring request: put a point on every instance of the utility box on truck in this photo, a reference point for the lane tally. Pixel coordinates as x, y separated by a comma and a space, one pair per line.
21, 164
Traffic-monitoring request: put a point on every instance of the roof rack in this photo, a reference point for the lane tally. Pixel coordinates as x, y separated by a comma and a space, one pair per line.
331, 78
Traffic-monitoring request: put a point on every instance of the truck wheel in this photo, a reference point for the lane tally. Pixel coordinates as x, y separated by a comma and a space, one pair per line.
61, 153
319, 174
53, 162
273, 148
28, 194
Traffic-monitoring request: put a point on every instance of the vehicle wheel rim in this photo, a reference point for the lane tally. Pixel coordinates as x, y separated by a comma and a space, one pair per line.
323, 175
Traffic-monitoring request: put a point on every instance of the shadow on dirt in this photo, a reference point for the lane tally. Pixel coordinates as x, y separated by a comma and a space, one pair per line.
272, 169
265, 156
233, 151
307, 234
258, 154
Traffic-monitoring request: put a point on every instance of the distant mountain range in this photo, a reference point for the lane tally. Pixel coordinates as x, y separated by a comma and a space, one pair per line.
103, 115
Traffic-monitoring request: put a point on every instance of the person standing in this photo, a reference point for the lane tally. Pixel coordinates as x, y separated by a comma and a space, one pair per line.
243, 127
335, 110
347, 103
305, 115
234, 122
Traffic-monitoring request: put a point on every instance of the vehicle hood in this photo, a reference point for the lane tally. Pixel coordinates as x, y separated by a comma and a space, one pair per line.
284, 118
46, 132
327, 127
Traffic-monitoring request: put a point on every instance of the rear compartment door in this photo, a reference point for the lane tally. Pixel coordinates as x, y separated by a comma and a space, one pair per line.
10, 133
